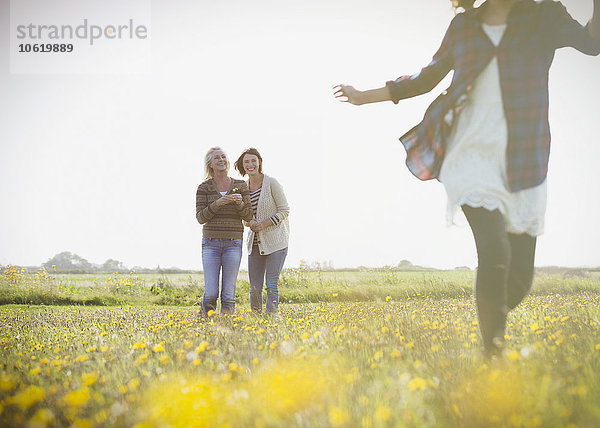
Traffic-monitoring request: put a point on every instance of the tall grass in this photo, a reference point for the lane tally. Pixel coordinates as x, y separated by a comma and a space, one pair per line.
296, 286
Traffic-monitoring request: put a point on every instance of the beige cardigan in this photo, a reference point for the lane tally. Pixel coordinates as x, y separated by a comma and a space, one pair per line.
271, 202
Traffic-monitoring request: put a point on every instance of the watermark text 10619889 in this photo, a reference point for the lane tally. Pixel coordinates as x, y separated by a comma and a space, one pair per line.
46, 47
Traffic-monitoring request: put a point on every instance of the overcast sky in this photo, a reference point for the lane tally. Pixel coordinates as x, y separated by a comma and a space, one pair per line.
106, 164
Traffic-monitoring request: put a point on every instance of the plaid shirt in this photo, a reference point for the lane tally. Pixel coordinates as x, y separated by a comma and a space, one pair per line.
534, 31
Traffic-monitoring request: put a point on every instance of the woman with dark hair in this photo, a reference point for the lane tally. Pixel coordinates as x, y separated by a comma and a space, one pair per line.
487, 137
269, 231
221, 204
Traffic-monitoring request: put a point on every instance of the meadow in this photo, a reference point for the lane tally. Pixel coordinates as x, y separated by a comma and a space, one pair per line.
348, 349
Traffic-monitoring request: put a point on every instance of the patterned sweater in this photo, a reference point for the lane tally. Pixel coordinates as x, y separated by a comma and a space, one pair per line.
223, 222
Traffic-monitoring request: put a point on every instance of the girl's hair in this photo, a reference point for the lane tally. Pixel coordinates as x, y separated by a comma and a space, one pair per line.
239, 164
208, 159
462, 4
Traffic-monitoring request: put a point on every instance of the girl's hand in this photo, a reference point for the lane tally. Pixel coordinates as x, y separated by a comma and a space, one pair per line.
347, 94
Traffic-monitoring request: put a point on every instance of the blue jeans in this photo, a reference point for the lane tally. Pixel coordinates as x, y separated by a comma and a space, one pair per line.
268, 266
217, 254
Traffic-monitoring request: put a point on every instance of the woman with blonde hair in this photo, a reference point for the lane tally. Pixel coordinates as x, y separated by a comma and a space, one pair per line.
487, 138
222, 203
269, 231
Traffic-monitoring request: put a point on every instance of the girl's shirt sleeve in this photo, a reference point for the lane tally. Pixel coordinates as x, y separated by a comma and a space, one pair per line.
564, 31
429, 76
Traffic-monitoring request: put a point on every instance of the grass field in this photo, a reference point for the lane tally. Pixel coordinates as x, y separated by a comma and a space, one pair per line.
379, 349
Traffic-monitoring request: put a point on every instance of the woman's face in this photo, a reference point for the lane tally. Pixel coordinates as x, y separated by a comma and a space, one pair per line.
251, 164
219, 161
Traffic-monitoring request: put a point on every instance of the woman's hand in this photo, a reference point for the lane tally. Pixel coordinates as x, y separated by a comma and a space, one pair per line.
257, 226
351, 95
236, 198
229, 199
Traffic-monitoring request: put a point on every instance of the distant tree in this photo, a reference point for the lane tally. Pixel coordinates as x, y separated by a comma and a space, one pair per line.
405, 264
328, 265
113, 265
67, 261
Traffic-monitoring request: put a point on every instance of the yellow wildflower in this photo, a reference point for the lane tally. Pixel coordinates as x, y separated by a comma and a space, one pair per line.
201, 348
6, 382
27, 397
513, 355
383, 413
89, 379
42, 417
77, 398
338, 417
417, 384
81, 358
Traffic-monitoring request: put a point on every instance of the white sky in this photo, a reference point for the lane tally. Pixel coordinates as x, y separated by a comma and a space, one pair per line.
107, 165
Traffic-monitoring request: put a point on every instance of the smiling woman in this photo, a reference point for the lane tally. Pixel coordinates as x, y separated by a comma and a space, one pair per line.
221, 204
269, 231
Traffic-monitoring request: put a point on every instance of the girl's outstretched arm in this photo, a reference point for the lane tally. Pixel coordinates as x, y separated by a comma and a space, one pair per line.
594, 25
347, 94
405, 86
561, 30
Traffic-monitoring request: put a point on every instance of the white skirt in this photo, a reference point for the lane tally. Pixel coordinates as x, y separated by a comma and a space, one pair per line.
474, 167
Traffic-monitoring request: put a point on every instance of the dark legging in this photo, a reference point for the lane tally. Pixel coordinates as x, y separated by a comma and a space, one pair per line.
504, 270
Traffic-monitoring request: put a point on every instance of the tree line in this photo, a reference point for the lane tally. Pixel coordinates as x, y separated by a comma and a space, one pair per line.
67, 262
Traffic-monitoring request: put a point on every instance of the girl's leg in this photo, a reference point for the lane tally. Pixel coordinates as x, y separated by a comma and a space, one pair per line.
256, 275
232, 256
211, 265
273, 267
493, 253
520, 274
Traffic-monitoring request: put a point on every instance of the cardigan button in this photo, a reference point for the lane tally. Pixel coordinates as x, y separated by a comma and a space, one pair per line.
262, 252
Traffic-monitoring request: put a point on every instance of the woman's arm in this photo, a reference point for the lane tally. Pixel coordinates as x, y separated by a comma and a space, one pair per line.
405, 86
356, 97
594, 25
281, 206
245, 208
561, 30
281, 203
205, 211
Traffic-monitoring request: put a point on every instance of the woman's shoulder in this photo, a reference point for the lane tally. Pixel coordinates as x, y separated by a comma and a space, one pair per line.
461, 20
205, 183
272, 182
267, 179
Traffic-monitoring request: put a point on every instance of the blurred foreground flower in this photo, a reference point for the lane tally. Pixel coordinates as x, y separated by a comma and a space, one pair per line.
275, 395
